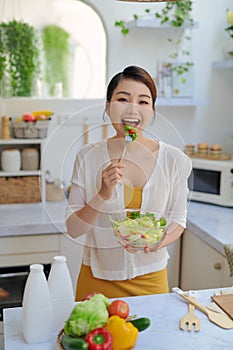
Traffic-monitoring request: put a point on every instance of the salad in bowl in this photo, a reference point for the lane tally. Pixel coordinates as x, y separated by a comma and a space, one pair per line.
138, 230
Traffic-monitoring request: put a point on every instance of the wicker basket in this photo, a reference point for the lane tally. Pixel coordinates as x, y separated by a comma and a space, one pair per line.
59, 338
20, 189
30, 130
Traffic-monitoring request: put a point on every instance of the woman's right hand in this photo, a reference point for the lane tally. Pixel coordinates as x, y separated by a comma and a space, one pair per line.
111, 176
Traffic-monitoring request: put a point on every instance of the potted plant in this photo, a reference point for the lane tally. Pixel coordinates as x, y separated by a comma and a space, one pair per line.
57, 55
177, 14
19, 58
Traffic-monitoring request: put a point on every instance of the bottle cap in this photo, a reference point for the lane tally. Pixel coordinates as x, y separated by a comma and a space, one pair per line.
59, 258
37, 267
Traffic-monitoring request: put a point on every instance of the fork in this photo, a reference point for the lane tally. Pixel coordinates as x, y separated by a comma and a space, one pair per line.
128, 139
190, 319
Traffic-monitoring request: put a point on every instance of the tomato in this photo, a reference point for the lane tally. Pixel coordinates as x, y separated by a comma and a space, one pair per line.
131, 131
119, 308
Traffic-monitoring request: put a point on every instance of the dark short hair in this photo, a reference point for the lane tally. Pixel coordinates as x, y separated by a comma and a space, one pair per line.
135, 73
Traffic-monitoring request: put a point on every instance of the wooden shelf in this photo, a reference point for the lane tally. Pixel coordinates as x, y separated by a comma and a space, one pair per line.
155, 23
21, 141
223, 64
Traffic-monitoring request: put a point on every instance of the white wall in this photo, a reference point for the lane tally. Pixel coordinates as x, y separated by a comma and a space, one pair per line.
178, 125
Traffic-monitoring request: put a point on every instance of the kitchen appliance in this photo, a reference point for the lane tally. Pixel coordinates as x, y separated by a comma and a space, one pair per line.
211, 181
12, 280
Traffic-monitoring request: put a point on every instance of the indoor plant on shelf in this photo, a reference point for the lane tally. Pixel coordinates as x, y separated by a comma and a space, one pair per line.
19, 58
56, 43
176, 14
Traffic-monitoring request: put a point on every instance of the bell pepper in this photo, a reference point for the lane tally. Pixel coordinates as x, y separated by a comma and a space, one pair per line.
99, 339
124, 334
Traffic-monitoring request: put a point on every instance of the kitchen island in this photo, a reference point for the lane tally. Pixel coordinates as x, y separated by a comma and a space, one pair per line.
164, 311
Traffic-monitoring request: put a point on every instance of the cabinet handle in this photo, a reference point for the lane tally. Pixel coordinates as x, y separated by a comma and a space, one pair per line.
218, 266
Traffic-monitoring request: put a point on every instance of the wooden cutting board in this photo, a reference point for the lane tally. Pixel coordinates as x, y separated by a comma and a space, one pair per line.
225, 302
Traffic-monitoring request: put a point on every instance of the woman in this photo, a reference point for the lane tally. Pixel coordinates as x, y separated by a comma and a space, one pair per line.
152, 177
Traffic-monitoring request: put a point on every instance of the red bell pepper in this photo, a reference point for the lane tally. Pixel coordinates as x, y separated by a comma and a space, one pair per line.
99, 339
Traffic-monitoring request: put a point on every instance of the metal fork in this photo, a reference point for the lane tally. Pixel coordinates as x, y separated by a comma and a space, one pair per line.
190, 320
128, 139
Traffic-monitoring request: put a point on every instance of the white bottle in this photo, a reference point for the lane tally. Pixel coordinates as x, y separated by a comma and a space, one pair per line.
37, 307
61, 290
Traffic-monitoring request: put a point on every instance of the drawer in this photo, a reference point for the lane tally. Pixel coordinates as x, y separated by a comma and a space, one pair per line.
29, 244
27, 259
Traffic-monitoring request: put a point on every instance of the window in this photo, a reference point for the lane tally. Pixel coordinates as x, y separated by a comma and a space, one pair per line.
88, 45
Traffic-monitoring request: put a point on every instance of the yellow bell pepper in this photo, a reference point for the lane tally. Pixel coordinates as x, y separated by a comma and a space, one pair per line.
124, 333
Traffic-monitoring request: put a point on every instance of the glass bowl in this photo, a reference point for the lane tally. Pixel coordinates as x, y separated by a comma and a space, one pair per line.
138, 230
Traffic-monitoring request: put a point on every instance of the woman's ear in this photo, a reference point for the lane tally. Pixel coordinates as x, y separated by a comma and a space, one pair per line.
107, 108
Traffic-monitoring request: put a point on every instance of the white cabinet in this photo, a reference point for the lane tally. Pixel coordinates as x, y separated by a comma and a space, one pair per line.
202, 267
21, 144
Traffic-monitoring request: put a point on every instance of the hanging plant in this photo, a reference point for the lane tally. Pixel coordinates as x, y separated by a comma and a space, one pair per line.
176, 14
19, 57
57, 55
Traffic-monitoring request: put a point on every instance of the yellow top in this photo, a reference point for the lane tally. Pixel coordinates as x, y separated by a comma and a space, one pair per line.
132, 197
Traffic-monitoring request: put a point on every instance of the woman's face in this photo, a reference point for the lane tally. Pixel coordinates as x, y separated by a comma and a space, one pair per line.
131, 104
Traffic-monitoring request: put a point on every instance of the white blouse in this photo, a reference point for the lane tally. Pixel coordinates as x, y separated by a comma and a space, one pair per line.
165, 193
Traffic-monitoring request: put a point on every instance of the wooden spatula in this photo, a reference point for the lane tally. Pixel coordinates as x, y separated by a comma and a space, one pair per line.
217, 318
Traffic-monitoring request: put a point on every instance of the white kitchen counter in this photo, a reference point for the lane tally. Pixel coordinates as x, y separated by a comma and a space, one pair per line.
30, 219
213, 224
164, 311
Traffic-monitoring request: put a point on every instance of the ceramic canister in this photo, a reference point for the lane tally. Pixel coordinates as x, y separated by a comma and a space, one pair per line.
11, 159
30, 159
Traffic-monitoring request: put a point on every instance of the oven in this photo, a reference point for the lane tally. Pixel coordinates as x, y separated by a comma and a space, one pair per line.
12, 280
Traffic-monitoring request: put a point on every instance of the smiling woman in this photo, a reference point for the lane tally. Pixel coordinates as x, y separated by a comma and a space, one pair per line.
157, 176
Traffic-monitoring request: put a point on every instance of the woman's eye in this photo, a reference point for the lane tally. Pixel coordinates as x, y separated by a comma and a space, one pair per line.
122, 99
143, 102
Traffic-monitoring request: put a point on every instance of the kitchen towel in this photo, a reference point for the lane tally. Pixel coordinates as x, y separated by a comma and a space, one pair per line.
228, 249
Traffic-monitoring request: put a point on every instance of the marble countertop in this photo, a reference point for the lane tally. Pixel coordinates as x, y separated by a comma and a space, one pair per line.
213, 224
33, 218
164, 311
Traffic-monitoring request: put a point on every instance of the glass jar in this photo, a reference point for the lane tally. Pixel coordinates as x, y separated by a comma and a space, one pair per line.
30, 159
11, 159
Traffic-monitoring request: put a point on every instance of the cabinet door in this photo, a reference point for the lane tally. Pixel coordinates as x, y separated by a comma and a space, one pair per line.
173, 267
201, 266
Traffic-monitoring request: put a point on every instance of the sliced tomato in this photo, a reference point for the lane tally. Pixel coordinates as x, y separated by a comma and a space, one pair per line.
131, 131
119, 308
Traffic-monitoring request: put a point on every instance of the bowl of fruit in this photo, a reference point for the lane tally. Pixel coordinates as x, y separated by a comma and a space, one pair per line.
139, 230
